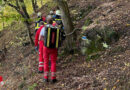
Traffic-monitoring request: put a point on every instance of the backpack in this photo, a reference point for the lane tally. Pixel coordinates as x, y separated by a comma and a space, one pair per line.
53, 37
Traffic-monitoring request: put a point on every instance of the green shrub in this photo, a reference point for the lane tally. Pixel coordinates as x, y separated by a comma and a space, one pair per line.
88, 22
32, 87
108, 34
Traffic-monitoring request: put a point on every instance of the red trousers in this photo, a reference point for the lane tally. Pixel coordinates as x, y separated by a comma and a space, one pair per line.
41, 65
52, 53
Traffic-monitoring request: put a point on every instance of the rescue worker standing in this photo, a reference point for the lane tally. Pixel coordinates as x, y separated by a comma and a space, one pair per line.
41, 43
39, 19
57, 19
49, 52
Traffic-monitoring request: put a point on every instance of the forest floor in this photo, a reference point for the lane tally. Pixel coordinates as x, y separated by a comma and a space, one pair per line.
110, 71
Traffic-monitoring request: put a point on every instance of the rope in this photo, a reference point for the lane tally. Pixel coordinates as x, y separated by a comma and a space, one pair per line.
72, 32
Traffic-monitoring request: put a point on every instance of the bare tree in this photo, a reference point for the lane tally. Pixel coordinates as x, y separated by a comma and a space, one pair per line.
20, 7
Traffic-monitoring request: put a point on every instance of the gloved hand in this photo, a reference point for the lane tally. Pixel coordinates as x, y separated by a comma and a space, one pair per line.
36, 48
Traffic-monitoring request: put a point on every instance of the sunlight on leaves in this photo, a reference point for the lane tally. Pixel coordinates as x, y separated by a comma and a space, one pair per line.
62, 85
127, 64
104, 78
88, 65
105, 45
84, 28
105, 89
114, 88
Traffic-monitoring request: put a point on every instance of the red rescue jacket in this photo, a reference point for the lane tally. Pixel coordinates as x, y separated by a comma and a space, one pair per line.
37, 35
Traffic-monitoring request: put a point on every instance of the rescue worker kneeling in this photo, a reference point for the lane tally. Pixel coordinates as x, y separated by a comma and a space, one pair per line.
50, 35
39, 43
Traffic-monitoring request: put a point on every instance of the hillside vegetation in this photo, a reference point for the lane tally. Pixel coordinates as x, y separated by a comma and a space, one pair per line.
9, 14
102, 62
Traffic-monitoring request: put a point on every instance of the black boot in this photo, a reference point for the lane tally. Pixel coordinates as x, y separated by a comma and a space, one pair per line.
53, 81
40, 72
45, 80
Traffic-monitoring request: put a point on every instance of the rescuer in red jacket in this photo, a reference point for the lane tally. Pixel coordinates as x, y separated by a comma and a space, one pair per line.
39, 43
49, 52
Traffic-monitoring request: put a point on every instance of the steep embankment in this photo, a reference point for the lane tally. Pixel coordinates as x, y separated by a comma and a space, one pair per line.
110, 71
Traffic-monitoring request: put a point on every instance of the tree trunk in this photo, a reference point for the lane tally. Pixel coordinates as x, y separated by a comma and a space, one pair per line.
27, 18
34, 5
29, 33
24, 9
68, 25
21, 9
41, 2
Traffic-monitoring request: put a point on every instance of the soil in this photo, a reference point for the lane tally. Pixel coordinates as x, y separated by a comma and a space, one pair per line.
111, 71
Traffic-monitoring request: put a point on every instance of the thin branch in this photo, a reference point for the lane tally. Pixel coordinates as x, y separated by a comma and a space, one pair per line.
16, 8
11, 5
17, 4
24, 9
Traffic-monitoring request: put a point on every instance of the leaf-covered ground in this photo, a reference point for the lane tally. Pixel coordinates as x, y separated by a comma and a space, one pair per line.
108, 72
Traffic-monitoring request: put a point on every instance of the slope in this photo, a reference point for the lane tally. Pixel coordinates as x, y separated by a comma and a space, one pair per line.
110, 71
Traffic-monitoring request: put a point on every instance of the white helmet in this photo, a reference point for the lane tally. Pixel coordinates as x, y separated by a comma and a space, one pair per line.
51, 12
39, 14
58, 12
